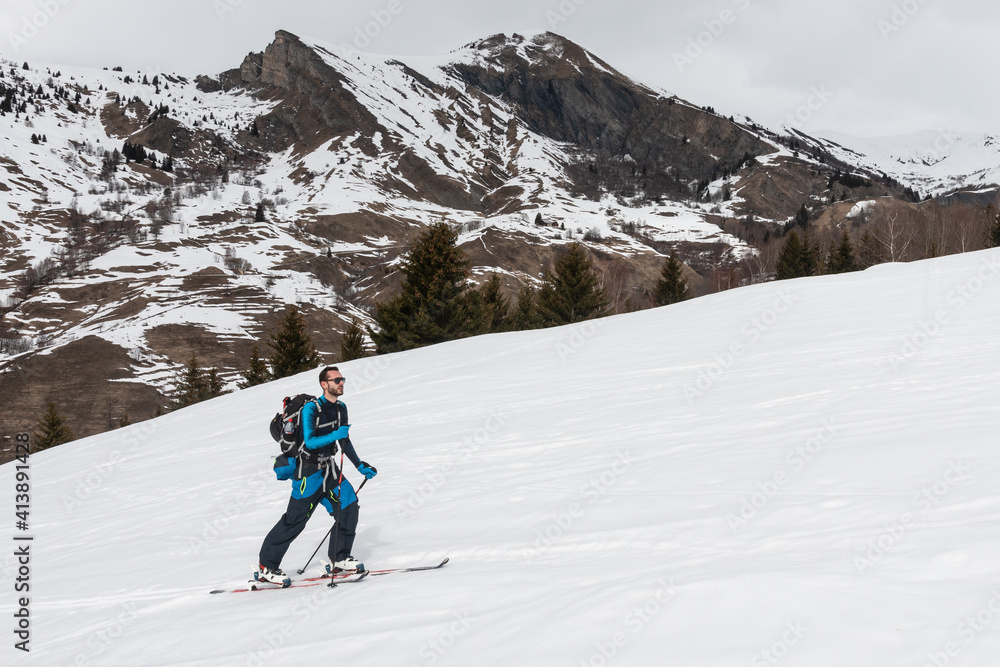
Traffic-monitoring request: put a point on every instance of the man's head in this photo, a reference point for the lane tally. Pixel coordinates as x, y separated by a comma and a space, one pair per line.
332, 382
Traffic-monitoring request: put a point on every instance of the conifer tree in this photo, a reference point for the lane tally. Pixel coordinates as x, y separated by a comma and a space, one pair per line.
812, 262
994, 227
802, 217
869, 251
213, 385
525, 316
51, 429
791, 263
495, 306
352, 345
433, 305
571, 292
258, 372
192, 386
842, 259
259, 215
672, 287
292, 346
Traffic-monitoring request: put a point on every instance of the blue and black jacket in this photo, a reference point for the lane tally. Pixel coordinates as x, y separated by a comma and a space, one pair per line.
324, 426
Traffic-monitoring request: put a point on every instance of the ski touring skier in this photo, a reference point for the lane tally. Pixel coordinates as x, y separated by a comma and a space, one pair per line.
318, 480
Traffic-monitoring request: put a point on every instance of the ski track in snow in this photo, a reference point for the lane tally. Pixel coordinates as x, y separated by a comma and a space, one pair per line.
802, 472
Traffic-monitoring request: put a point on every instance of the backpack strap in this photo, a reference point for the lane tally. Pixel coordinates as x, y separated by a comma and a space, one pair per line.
319, 413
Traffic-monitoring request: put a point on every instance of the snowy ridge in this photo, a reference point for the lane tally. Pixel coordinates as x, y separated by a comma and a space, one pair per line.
933, 162
800, 472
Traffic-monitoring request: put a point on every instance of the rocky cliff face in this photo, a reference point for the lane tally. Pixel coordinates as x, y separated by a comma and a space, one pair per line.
313, 102
553, 87
563, 92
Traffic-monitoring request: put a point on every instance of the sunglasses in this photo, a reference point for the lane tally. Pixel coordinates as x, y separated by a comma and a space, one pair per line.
339, 380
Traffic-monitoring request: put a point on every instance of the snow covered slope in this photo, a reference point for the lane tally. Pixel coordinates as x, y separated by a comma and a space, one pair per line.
932, 162
802, 472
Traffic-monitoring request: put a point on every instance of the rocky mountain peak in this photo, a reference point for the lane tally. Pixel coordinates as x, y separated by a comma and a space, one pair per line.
545, 54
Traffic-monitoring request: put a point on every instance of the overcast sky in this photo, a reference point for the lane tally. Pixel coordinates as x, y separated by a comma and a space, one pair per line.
864, 67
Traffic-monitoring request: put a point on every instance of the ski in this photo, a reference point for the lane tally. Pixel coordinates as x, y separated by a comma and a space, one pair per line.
394, 570
339, 578
346, 578
376, 573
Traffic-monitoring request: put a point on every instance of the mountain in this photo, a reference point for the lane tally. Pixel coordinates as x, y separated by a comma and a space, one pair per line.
797, 472
936, 161
148, 216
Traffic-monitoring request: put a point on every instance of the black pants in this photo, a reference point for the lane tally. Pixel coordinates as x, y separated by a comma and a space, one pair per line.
293, 522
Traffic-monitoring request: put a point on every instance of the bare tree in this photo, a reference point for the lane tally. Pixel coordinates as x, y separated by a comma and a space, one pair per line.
759, 265
614, 280
895, 236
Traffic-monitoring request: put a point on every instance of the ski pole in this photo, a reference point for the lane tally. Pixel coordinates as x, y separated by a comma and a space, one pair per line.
335, 523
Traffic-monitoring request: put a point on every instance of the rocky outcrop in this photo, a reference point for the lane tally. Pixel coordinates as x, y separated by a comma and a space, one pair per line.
562, 91
315, 104
557, 89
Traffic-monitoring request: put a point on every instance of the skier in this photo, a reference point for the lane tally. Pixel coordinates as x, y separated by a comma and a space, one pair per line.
318, 481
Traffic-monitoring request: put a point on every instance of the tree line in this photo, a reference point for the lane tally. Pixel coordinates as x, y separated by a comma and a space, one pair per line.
437, 303
891, 236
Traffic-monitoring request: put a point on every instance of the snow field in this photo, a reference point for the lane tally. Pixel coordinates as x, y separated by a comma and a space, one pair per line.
828, 498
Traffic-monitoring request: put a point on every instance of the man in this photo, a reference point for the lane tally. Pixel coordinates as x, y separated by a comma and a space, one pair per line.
317, 480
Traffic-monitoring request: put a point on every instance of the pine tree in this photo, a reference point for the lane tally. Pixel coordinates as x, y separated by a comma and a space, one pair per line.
672, 287
192, 386
869, 251
802, 217
352, 345
213, 385
791, 261
994, 228
812, 262
842, 259
292, 346
51, 429
495, 306
433, 306
571, 292
525, 313
258, 372
259, 215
